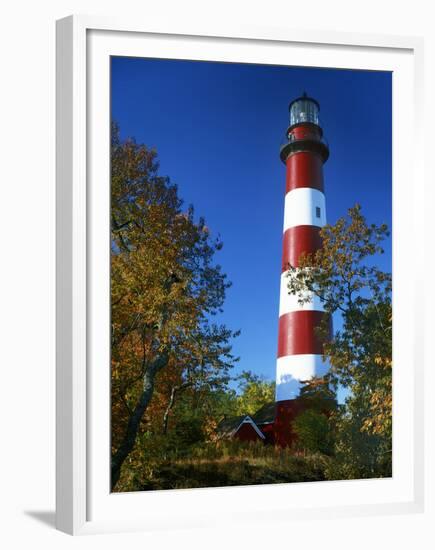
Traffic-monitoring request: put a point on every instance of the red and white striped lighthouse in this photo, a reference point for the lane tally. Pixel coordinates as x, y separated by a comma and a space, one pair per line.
299, 348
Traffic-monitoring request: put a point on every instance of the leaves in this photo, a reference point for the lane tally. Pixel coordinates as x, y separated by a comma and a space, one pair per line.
314, 432
254, 393
165, 288
344, 275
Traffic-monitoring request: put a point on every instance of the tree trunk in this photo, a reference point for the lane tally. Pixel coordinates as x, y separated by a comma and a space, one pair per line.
171, 404
129, 439
168, 409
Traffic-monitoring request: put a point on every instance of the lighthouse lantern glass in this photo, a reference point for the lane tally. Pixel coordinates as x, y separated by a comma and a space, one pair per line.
304, 110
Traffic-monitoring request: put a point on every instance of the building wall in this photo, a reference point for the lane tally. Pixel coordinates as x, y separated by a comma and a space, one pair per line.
268, 431
286, 412
247, 433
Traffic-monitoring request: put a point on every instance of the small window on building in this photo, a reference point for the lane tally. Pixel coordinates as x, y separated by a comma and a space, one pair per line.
317, 211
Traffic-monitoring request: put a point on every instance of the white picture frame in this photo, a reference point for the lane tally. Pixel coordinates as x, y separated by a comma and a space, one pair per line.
83, 500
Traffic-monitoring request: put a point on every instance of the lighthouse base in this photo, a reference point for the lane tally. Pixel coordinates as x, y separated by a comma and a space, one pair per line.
285, 413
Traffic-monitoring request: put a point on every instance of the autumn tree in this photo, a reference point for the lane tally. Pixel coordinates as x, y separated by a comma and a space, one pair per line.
165, 290
344, 275
254, 392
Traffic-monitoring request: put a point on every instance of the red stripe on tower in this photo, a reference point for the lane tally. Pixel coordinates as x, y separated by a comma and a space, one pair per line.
302, 239
297, 333
299, 347
304, 170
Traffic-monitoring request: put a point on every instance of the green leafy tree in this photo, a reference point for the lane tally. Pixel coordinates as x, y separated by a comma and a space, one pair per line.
344, 275
314, 432
313, 426
317, 394
165, 288
255, 392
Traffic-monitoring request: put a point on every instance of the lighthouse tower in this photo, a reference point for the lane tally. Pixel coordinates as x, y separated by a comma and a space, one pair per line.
299, 349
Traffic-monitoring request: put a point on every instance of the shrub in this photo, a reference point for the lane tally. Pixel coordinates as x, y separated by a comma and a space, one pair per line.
314, 432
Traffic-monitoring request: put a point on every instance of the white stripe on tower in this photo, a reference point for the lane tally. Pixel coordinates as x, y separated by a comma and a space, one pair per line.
290, 302
304, 206
293, 368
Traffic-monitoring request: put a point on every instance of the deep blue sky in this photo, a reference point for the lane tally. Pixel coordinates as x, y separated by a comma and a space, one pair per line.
218, 128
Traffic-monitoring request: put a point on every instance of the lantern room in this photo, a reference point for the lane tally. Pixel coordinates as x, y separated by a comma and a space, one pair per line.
304, 109
304, 132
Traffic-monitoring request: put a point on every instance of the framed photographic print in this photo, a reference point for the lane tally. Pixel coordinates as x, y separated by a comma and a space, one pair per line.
239, 333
